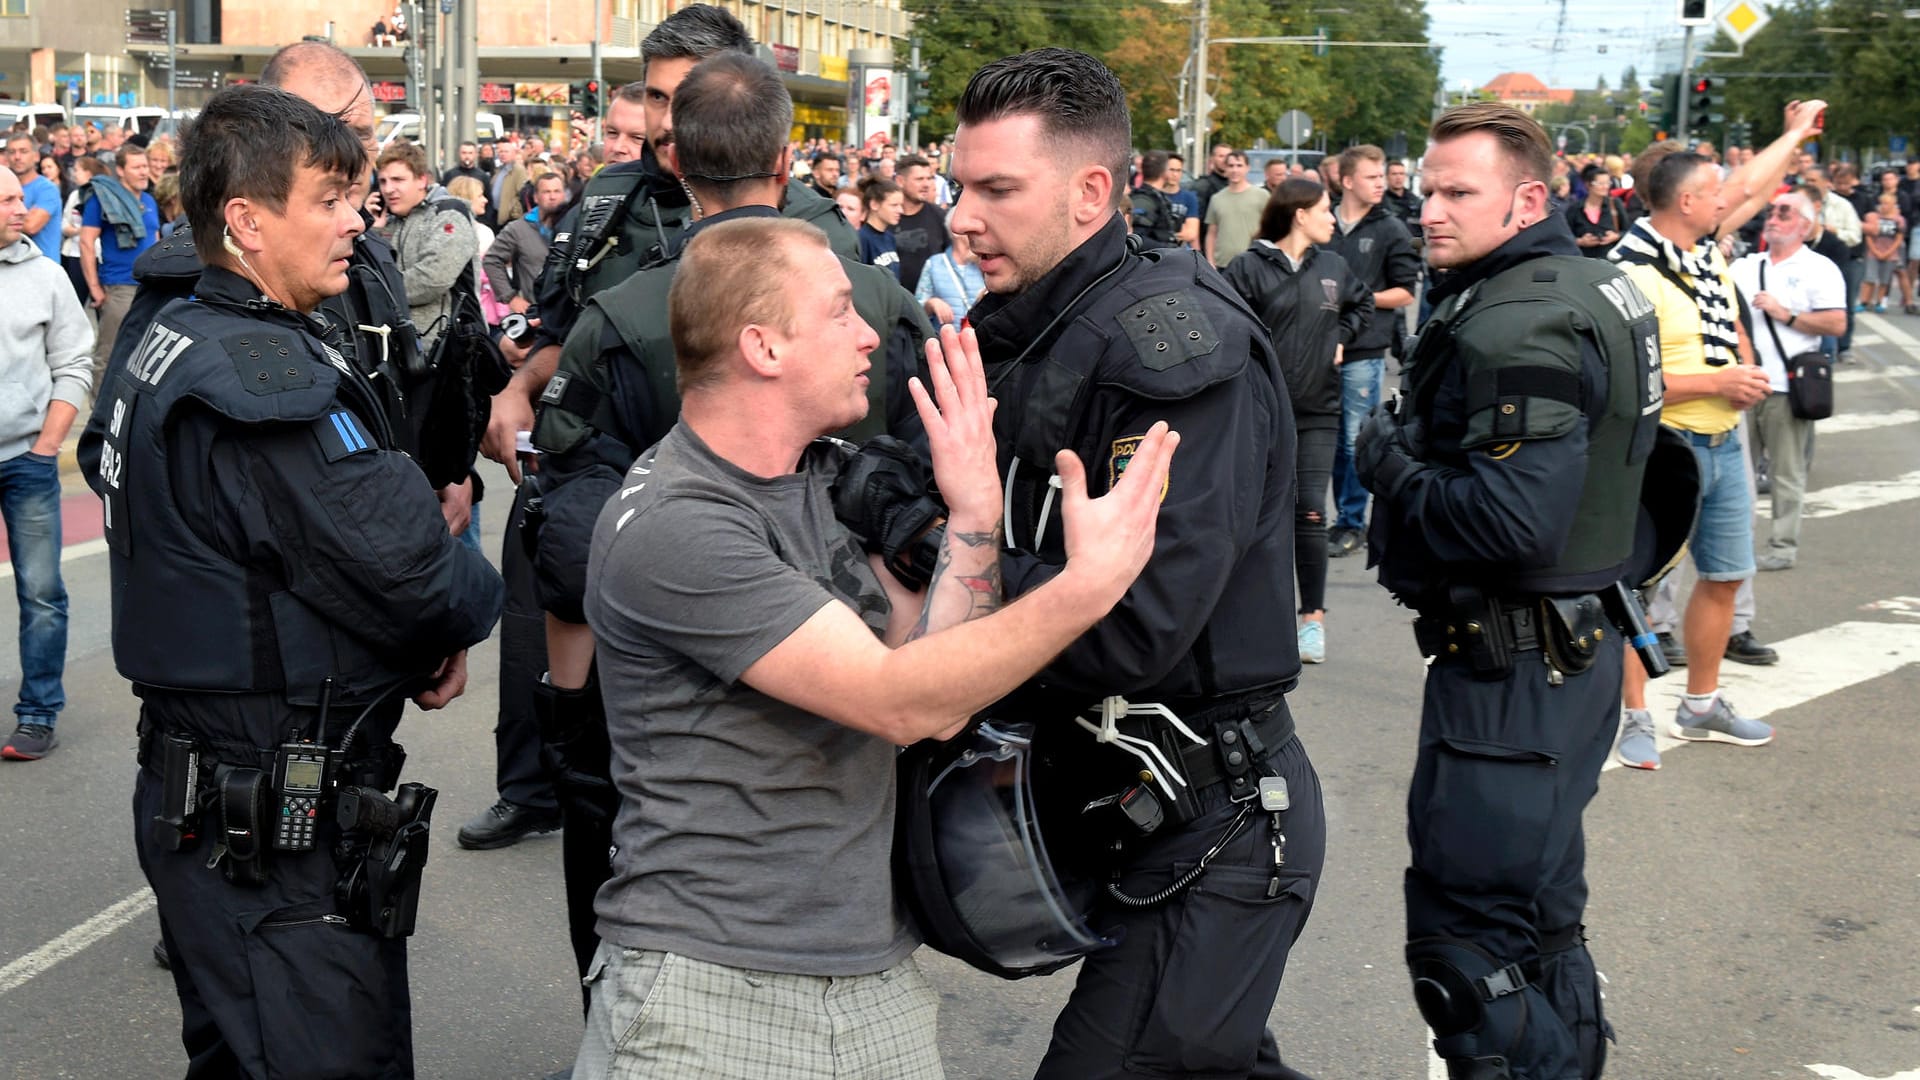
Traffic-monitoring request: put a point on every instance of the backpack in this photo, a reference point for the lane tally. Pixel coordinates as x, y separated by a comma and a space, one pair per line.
1152, 215
456, 380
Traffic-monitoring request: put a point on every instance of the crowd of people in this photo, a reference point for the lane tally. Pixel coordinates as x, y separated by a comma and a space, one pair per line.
783, 466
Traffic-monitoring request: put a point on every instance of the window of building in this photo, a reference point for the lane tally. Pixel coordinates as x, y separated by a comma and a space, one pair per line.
13, 7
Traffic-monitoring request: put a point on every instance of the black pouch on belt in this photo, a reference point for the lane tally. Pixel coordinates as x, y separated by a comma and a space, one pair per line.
1573, 631
243, 819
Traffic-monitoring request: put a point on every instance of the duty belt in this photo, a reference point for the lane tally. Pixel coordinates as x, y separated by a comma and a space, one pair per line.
1462, 634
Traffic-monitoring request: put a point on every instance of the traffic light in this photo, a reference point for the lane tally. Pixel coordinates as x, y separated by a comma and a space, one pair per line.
1705, 100
1669, 102
1693, 13
577, 96
590, 98
1739, 133
919, 92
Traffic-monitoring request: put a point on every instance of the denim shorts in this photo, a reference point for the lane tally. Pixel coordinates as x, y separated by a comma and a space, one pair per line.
1722, 542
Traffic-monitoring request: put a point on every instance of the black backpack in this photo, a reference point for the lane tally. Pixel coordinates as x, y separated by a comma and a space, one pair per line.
1152, 214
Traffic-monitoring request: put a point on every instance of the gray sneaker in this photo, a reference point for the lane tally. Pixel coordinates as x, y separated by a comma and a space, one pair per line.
1720, 724
30, 742
1635, 748
1771, 562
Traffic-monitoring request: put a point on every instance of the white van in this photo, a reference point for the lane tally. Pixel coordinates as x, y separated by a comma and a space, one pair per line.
12, 112
406, 125
139, 120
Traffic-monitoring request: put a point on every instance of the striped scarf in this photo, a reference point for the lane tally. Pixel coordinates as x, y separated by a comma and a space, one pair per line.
1696, 270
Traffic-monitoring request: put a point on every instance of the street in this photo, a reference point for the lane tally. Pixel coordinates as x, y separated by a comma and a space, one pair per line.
1755, 911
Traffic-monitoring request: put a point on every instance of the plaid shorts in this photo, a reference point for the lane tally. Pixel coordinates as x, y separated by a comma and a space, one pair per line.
663, 1016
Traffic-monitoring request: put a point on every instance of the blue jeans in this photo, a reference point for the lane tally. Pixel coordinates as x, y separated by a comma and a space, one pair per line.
30, 505
1362, 382
470, 535
1722, 541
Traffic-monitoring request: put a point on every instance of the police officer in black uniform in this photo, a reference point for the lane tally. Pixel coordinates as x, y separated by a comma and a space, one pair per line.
281, 583
1088, 341
1537, 365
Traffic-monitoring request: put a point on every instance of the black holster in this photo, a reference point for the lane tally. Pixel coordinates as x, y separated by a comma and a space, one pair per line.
243, 823
384, 851
1575, 631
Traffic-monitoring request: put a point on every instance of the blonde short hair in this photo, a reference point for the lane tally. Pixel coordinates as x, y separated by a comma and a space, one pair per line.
725, 284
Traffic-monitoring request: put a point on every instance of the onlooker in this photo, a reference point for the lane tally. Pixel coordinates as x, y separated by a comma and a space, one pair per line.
922, 228
1233, 213
1860, 200
509, 176
852, 207
1796, 295
1313, 305
824, 174
44, 342
42, 196
1379, 249
1598, 222
514, 260
1211, 183
951, 282
119, 221
1402, 201
1885, 231
881, 204
84, 169
1836, 233
1272, 174
166, 194
474, 194
1706, 359
1186, 204
467, 163
161, 153
431, 237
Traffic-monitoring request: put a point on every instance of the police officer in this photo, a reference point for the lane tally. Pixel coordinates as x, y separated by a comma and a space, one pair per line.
629, 216
1537, 365
615, 395
280, 582
1088, 342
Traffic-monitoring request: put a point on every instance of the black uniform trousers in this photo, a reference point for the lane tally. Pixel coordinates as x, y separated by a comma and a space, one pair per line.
519, 775
1187, 988
271, 983
1505, 770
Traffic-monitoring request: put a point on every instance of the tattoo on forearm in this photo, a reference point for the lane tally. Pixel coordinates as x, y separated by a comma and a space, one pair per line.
982, 591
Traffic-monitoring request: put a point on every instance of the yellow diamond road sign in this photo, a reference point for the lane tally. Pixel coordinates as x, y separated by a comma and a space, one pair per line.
1743, 19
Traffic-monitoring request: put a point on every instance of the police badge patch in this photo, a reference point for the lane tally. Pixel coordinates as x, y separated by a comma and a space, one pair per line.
1331, 290
1121, 455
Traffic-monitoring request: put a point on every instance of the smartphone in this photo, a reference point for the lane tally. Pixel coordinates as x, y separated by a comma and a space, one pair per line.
1820, 122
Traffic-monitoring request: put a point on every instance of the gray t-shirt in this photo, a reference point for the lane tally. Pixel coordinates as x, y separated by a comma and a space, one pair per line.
750, 833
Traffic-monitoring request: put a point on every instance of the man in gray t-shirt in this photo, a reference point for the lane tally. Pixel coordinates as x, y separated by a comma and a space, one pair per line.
759, 668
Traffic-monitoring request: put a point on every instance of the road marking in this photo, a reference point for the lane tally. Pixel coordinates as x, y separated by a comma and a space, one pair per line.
1885, 328
1811, 666
1856, 373
1841, 1072
1857, 421
73, 941
1846, 498
1907, 607
67, 554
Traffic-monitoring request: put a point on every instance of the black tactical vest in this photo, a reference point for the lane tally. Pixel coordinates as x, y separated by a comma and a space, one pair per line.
185, 615
1516, 393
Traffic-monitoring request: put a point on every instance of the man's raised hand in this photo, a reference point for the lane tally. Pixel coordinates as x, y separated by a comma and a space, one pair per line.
958, 417
1110, 538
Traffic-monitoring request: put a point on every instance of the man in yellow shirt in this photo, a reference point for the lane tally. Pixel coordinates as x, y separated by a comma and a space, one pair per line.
1707, 360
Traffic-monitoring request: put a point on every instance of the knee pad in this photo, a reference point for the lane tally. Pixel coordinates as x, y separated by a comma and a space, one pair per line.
1472, 1001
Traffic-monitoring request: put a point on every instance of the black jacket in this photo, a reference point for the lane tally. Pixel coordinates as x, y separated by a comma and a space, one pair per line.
1380, 250
1154, 336
1308, 311
1406, 207
1612, 220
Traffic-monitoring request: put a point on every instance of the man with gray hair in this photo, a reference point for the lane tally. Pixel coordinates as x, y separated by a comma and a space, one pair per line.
1796, 295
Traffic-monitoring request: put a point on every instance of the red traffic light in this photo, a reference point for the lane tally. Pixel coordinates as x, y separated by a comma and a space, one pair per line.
593, 86
1701, 86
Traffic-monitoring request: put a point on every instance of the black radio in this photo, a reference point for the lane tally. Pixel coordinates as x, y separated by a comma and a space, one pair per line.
299, 778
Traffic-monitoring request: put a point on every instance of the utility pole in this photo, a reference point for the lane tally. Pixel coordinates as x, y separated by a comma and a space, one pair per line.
173, 55
469, 51
599, 82
1686, 86
913, 122
1198, 128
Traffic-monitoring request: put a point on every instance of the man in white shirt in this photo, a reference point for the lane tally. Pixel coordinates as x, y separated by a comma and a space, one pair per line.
1796, 295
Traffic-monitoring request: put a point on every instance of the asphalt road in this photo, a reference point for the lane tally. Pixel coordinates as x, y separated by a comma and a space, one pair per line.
1755, 910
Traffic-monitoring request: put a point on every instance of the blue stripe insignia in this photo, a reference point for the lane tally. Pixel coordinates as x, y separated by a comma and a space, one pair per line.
341, 436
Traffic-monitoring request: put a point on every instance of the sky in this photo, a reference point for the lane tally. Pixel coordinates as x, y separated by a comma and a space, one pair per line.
1483, 38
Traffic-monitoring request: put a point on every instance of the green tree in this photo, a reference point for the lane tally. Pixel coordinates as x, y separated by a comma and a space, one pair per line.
958, 37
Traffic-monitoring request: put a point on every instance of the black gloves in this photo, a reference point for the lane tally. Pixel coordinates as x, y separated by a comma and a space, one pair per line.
1383, 453
882, 496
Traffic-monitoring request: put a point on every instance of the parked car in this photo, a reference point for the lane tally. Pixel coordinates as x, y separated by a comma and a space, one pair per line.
12, 112
406, 125
138, 120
